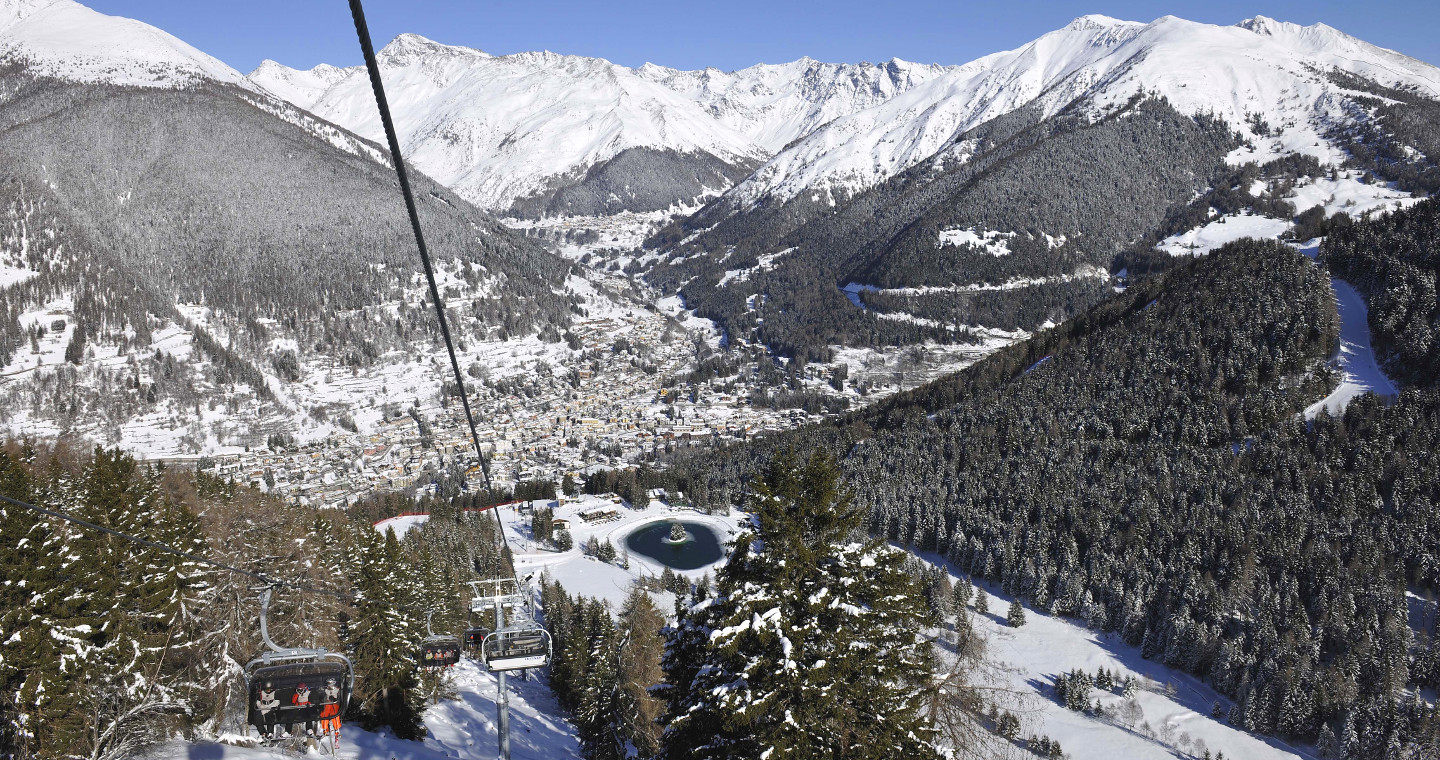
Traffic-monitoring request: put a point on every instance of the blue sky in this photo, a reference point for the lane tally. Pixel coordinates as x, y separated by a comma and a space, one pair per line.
727, 34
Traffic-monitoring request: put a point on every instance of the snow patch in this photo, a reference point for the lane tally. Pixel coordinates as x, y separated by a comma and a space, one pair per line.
993, 242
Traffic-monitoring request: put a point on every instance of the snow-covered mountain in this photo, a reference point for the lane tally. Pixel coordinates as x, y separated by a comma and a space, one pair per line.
497, 129
66, 40
1258, 71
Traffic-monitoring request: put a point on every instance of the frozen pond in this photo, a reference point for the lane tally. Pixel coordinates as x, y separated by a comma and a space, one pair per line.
701, 547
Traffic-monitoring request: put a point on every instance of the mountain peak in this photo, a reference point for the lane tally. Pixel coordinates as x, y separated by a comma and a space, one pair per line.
1261, 25
1097, 21
410, 47
66, 40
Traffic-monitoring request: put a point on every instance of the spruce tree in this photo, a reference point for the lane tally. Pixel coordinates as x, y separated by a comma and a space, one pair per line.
811, 646
597, 710
982, 603
1016, 616
963, 593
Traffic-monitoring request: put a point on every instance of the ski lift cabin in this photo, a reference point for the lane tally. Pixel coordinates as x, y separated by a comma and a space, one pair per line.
275, 677
519, 643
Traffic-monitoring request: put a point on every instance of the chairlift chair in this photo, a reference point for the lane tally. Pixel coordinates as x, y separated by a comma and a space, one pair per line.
438, 651
282, 670
474, 637
520, 643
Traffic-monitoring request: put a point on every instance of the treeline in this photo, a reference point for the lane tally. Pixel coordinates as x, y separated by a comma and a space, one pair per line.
1400, 143
1155, 479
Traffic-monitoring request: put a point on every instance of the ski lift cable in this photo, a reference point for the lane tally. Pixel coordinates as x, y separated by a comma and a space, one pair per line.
172, 550
373, 67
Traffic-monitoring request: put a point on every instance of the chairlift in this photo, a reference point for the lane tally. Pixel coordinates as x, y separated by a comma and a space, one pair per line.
440, 651
474, 637
519, 643
289, 686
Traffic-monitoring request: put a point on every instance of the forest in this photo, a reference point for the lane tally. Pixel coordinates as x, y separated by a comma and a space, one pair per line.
1155, 478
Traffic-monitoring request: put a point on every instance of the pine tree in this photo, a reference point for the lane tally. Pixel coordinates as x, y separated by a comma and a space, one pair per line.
1327, 745
1016, 616
597, 710
982, 603
811, 646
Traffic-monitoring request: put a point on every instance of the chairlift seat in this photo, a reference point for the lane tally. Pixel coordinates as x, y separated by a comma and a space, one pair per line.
439, 652
518, 648
285, 677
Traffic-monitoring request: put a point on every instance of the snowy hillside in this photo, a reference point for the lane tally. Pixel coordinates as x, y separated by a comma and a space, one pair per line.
1259, 68
500, 128
64, 39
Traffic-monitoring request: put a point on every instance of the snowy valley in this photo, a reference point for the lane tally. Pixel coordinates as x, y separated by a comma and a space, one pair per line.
1078, 401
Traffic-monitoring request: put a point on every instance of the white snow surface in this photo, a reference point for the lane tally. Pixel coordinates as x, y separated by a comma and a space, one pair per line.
1176, 706
1347, 193
1226, 229
1260, 66
993, 242
66, 40
1360, 372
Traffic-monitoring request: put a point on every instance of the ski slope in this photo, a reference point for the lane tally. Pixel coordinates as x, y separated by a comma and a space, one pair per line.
1360, 373
1175, 720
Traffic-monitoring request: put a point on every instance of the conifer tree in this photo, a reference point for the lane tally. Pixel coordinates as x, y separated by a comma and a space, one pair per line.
964, 592
597, 710
811, 646
641, 651
385, 640
982, 603
1016, 616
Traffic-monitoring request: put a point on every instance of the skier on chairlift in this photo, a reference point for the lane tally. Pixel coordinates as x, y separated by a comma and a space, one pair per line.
269, 708
330, 710
301, 700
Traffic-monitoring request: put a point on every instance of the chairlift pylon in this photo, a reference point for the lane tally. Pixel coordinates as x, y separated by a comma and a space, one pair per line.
289, 686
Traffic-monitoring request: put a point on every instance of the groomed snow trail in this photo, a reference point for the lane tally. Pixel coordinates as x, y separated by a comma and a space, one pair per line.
1360, 371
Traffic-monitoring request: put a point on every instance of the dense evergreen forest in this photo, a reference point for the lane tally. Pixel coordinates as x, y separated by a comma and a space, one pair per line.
1394, 261
1155, 478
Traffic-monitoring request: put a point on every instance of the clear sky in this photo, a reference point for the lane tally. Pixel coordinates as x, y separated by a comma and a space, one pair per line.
727, 34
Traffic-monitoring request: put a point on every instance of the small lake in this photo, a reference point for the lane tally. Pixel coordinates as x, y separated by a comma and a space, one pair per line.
702, 549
